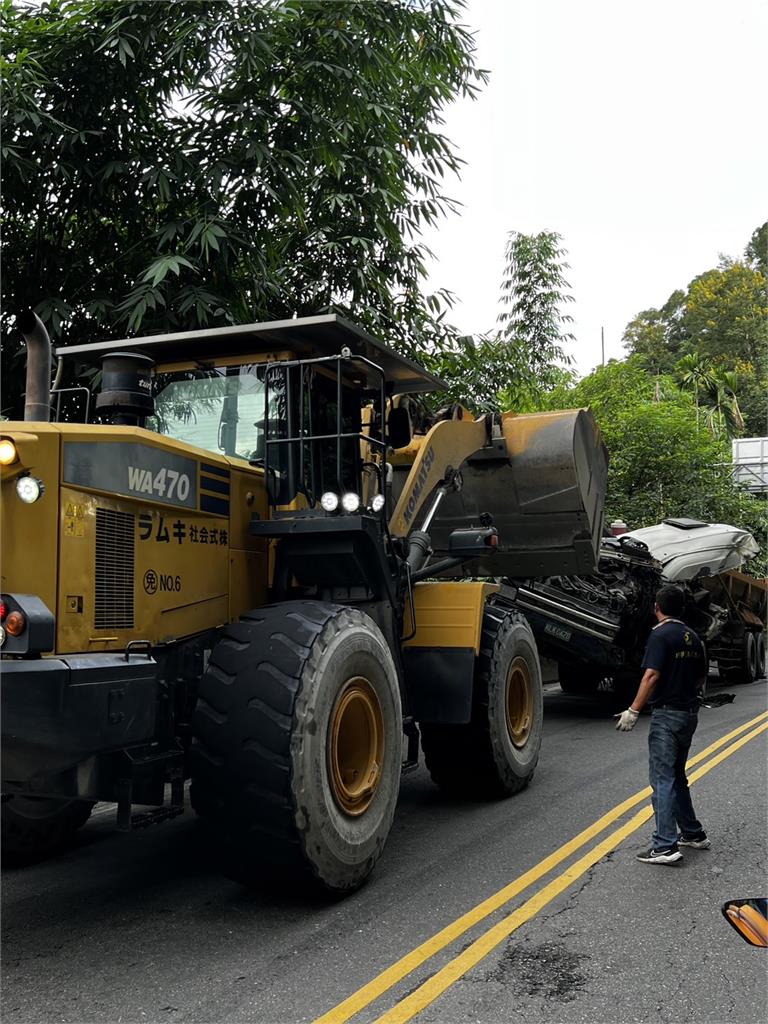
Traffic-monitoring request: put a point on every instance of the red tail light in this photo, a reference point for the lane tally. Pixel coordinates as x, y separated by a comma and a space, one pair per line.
16, 623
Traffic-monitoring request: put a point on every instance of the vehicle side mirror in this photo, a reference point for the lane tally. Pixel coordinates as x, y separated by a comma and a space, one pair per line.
473, 542
750, 919
399, 432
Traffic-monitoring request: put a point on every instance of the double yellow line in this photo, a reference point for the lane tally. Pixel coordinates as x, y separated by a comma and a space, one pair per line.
426, 993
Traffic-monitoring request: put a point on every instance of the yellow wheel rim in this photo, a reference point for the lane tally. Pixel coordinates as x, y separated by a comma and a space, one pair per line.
519, 702
356, 746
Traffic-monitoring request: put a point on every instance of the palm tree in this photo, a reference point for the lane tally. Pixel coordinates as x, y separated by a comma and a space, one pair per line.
731, 381
723, 412
695, 373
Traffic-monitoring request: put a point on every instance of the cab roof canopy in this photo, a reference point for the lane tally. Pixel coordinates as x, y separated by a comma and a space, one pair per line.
305, 337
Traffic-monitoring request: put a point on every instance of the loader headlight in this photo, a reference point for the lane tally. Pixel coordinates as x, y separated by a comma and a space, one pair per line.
350, 502
377, 502
329, 501
29, 489
8, 452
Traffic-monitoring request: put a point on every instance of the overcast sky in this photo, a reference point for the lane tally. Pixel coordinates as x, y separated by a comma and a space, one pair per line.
635, 130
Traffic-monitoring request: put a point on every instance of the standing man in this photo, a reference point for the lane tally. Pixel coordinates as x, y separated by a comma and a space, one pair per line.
675, 669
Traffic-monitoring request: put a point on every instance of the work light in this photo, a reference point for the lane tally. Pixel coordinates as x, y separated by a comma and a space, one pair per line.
29, 489
350, 502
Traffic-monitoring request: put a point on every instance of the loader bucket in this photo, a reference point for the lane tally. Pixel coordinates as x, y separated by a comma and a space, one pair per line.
544, 484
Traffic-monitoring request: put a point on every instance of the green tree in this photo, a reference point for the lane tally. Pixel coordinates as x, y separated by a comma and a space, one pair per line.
657, 336
185, 164
608, 390
723, 413
722, 316
513, 367
752, 396
756, 252
534, 325
469, 366
646, 337
696, 373
726, 315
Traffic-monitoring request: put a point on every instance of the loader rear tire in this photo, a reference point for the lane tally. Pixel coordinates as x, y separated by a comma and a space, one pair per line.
34, 828
297, 747
495, 755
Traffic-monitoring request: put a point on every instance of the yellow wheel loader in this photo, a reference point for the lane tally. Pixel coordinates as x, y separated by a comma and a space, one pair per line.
266, 569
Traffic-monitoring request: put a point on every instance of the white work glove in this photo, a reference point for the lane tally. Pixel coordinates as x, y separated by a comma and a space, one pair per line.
627, 720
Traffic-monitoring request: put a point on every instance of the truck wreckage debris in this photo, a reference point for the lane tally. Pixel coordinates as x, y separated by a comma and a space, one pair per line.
595, 625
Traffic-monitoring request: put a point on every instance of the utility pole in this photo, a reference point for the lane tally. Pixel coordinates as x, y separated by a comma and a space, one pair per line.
602, 343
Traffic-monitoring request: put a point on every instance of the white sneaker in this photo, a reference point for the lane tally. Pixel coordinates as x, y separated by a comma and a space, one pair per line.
669, 856
699, 842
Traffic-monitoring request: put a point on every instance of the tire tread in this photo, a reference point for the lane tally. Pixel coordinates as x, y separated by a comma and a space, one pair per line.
241, 763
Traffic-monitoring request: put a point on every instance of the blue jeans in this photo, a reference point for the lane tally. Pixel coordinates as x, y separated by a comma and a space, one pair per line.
669, 740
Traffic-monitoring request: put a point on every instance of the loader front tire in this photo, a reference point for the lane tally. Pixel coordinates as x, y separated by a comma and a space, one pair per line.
34, 828
297, 747
495, 755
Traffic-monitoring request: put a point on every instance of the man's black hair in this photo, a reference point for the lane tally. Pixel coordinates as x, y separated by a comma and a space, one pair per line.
671, 600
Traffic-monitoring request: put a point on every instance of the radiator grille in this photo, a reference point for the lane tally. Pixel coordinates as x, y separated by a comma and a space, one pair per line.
114, 576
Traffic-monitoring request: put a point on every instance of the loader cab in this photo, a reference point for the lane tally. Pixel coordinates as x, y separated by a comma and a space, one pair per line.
307, 401
302, 421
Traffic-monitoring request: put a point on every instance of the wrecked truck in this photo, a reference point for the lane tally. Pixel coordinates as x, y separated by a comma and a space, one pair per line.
596, 626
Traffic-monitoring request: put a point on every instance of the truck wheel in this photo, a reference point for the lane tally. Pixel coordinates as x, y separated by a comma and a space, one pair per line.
744, 669
297, 747
496, 754
750, 655
577, 679
759, 655
35, 827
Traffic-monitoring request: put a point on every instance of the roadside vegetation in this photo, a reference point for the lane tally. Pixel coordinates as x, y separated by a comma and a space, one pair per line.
190, 165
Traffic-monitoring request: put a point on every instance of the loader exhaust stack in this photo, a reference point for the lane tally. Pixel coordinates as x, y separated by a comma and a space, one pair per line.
37, 403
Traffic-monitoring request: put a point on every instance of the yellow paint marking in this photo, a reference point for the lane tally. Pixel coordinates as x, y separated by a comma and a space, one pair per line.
403, 967
470, 957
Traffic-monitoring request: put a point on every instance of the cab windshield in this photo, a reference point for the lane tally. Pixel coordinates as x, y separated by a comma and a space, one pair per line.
222, 409
218, 408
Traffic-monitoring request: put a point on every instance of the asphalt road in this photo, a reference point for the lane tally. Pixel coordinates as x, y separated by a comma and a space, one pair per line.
139, 928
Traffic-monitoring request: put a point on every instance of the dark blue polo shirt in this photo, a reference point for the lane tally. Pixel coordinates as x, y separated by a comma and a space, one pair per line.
676, 652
